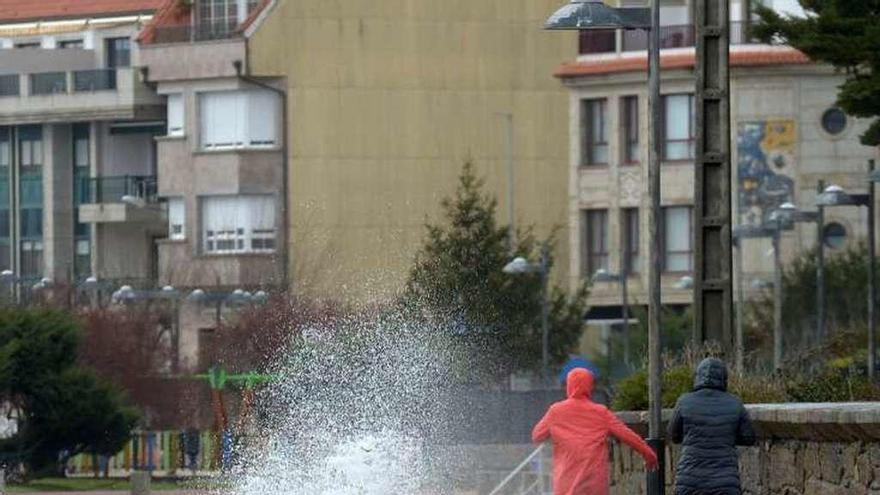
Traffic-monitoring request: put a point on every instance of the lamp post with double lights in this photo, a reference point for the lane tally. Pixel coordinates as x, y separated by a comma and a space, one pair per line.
836, 196
521, 266
14, 284
789, 215
127, 294
237, 296
594, 14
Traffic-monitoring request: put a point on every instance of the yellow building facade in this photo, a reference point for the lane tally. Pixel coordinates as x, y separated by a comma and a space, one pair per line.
386, 101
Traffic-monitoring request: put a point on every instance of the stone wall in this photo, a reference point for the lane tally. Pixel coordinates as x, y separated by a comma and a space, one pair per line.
803, 449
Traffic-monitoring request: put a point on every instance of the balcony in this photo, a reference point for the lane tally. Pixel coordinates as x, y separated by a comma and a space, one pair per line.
632, 40
64, 96
122, 199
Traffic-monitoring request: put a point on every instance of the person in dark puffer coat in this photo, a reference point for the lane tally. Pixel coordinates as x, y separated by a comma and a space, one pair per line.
709, 423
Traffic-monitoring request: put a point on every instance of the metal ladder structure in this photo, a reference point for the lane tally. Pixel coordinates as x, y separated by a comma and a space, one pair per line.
531, 477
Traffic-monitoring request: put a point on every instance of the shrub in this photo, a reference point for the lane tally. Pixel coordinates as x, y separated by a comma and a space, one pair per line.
632, 392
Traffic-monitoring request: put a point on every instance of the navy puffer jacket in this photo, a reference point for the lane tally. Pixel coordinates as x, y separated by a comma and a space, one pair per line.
709, 423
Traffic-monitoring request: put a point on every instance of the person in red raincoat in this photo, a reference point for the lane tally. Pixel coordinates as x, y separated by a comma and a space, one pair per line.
579, 430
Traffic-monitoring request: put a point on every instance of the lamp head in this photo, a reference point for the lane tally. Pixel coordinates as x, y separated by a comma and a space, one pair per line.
685, 282
594, 14
833, 195
517, 266
197, 295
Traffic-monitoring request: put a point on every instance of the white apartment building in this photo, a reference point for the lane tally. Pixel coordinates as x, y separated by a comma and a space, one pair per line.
77, 155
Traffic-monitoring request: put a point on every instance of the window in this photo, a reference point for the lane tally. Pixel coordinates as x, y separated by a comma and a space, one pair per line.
32, 44
834, 121
678, 127
677, 247
834, 235
83, 260
595, 132
238, 224
630, 217
31, 258
596, 228
218, 16
5, 218
239, 119
118, 52
176, 219
175, 115
30, 183
70, 44
630, 110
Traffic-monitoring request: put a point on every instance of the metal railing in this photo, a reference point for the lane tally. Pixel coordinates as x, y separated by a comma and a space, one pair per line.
113, 189
631, 40
47, 83
94, 80
9, 85
531, 477
199, 32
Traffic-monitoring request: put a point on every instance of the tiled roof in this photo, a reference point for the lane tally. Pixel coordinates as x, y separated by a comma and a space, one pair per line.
35, 10
741, 57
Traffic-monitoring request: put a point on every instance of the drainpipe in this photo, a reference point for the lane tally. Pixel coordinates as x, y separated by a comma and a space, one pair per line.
285, 201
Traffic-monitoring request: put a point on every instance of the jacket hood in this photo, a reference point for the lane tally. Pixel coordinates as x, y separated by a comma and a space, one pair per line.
711, 373
579, 384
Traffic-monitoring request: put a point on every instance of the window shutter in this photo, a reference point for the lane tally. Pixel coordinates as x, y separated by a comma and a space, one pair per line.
175, 115
176, 219
263, 118
221, 122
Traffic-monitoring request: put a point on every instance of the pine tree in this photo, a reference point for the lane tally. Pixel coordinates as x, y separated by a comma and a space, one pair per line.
457, 282
845, 34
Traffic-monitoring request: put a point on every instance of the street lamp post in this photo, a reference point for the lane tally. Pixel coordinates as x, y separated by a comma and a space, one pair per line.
519, 266
773, 230
837, 196
594, 14
789, 215
127, 294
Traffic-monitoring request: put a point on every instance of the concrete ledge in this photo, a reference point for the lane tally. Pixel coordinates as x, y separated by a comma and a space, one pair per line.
830, 422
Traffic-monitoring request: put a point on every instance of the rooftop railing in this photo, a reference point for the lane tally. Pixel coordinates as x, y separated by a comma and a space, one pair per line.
632, 40
199, 32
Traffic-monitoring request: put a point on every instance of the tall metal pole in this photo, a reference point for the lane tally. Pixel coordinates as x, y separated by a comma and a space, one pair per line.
777, 300
511, 229
740, 295
545, 315
820, 269
624, 293
624, 296
872, 280
655, 481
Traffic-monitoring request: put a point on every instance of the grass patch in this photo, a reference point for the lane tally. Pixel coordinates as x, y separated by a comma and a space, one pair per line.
93, 484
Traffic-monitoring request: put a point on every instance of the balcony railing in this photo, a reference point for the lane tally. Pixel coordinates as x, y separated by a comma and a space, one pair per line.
52, 83
112, 189
199, 32
94, 80
47, 83
9, 85
631, 40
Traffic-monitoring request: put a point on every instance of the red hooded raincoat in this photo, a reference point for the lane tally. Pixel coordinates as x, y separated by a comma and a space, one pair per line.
579, 429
